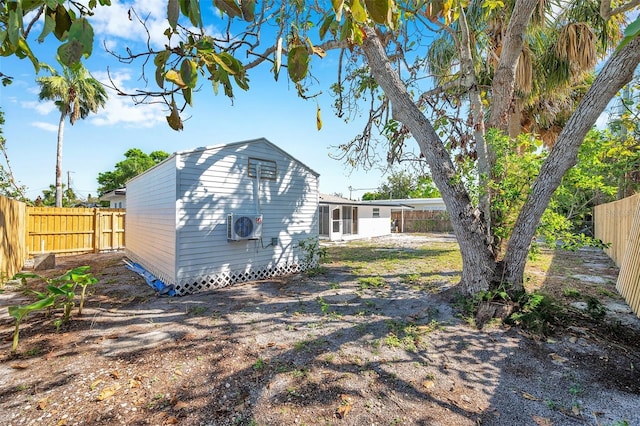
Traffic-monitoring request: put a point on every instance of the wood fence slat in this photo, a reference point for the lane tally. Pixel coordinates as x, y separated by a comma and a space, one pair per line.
73, 230
13, 251
618, 224
422, 221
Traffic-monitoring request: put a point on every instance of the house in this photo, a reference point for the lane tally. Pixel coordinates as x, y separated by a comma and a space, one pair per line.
418, 214
212, 216
117, 198
344, 219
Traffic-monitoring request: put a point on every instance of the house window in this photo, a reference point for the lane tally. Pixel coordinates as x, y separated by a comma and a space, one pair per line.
268, 168
323, 223
349, 220
376, 212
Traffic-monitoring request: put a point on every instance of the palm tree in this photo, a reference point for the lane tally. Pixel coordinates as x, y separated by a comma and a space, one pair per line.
76, 94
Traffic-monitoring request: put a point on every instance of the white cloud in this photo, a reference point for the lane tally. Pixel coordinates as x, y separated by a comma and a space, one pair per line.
42, 108
45, 126
121, 110
119, 21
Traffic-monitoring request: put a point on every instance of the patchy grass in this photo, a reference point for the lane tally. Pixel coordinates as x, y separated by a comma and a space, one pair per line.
420, 268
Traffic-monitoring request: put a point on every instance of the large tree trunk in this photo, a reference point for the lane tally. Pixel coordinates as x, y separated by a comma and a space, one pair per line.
59, 161
478, 262
616, 73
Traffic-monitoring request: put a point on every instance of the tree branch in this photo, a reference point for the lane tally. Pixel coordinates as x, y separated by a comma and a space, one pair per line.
606, 12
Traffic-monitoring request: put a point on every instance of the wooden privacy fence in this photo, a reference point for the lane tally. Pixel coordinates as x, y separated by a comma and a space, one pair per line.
13, 250
74, 230
618, 223
423, 221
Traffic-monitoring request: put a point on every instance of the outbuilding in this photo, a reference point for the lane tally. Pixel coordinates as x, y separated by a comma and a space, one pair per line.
341, 219
212, 216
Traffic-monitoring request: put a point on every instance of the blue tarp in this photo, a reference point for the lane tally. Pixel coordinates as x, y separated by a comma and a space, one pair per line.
154, 282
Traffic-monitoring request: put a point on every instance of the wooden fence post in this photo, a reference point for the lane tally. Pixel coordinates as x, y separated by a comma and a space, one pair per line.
97, 232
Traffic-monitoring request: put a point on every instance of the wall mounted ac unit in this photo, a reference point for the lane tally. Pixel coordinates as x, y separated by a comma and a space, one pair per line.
244, 227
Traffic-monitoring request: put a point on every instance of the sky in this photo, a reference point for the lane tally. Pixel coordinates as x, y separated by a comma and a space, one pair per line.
269, 109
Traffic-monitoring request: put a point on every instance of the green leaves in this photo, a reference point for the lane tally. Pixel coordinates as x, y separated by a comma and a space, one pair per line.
248, 10
230, 7
63, 286
298, 63
173, 13
631, 32
189, 73
80, 43
357, 12
14, 26
63, 22
380, 11
173, 119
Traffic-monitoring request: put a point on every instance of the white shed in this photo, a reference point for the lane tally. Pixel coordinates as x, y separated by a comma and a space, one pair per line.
212, 216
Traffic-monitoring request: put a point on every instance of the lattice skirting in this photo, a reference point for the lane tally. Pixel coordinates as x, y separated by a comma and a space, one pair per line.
217, 280
223, 279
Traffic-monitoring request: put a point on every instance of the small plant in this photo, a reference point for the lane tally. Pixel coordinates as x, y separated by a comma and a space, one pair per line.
324, 306
63, 287
538, 313
595, 309
313, 253
371, 282
411, 279
334, 285
196, 310
608, 293
571, 292
408, 335
259, 364
20, 312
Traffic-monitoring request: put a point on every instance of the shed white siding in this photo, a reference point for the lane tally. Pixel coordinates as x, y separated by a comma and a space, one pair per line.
151, 220
211, 183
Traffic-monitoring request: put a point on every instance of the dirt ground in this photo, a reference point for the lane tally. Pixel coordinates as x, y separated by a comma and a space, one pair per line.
319, 350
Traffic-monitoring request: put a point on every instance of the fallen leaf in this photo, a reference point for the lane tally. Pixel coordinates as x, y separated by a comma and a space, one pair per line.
576, 410
42, 404
529, 396
346, 403
115, 374
171, 420
112, 336
61, 422
429, 384
178, 373
180, 405
542, 421
95, 383
107, 392
343, 410
133, 383
557, 359
21, 366
271, 344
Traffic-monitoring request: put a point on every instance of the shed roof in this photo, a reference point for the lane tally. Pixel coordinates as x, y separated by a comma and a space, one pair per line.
231, 145
114, 193
335, 200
